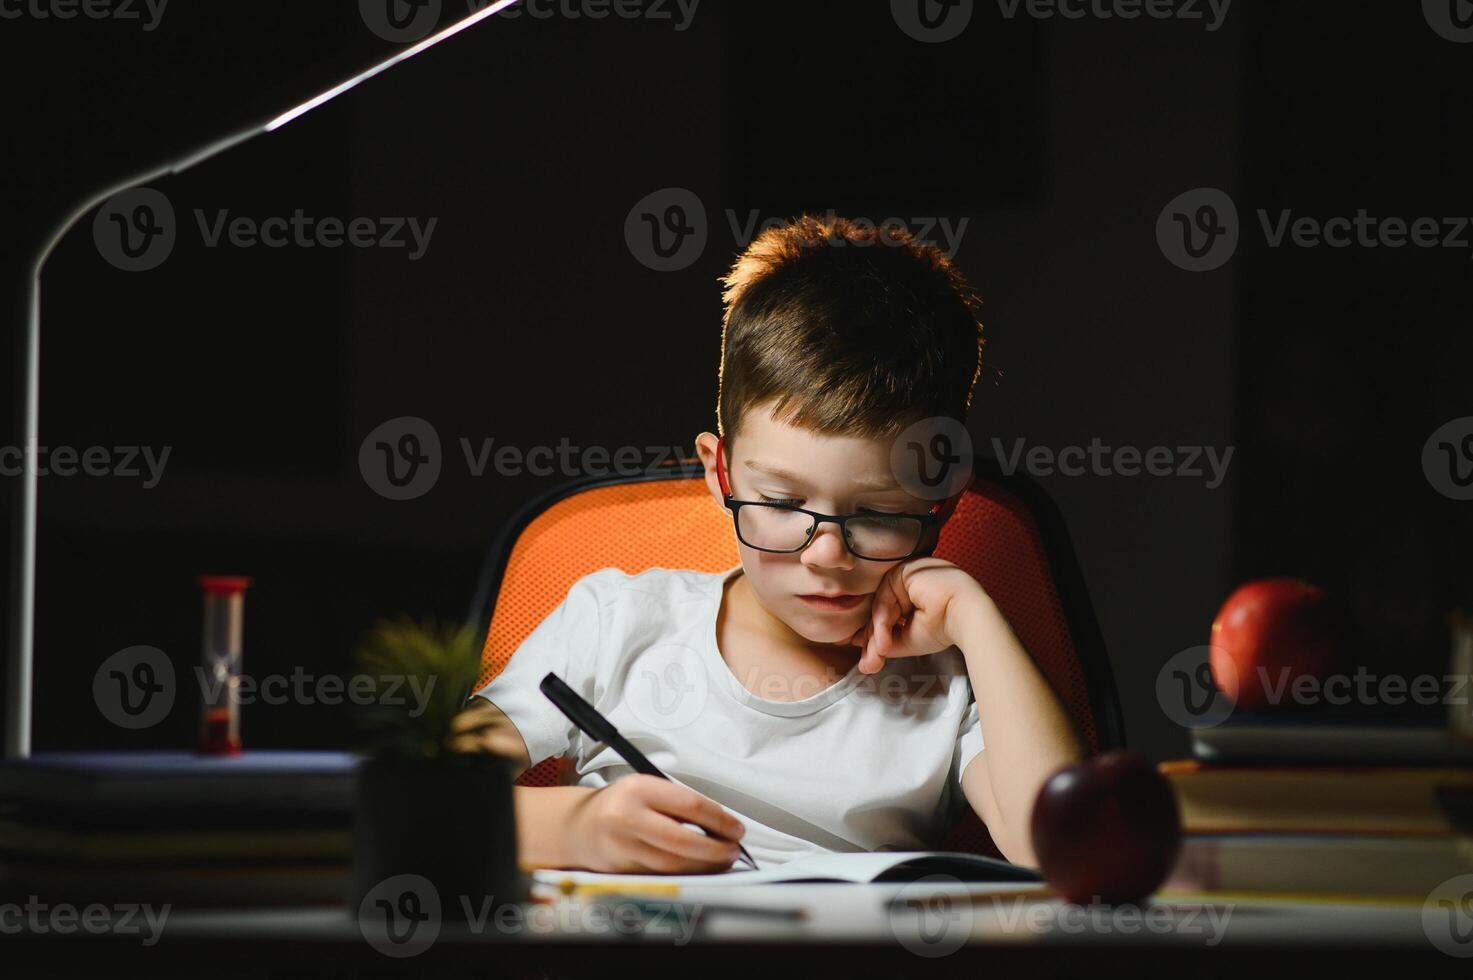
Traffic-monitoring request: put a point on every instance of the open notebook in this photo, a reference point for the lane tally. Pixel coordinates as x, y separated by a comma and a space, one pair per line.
836, 866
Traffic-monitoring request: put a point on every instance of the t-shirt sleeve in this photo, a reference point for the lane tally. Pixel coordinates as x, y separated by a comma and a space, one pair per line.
968, 742
566, 642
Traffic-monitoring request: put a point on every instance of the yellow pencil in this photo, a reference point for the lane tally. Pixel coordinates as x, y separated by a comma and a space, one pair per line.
569, 886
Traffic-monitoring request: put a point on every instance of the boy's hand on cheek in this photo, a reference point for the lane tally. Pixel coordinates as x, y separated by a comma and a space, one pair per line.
908, 616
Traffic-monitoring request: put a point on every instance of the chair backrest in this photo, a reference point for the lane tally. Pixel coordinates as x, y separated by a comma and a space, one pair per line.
1004, 532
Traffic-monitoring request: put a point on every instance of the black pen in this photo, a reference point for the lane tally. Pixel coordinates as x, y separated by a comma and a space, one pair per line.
598, 728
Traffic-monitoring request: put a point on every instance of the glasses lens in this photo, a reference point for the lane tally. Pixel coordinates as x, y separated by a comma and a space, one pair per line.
884, 537
773, 528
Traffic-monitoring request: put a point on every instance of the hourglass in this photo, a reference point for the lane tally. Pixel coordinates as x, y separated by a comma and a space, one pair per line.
224, 597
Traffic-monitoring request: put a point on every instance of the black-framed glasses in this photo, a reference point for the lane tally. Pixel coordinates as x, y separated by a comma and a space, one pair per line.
786, 528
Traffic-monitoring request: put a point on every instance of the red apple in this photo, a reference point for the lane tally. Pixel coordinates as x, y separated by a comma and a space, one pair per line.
1108, 829
1268, 633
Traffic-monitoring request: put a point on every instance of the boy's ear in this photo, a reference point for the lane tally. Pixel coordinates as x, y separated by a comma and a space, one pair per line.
706, 450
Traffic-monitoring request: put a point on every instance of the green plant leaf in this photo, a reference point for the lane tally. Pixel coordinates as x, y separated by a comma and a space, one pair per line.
415, 675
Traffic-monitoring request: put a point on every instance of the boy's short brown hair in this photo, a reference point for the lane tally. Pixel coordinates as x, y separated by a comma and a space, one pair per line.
857, 330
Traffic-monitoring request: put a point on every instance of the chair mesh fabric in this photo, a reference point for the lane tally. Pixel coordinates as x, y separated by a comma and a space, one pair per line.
675, 524
996, 540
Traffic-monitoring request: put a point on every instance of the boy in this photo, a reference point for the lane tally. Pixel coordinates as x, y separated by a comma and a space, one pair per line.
789, 719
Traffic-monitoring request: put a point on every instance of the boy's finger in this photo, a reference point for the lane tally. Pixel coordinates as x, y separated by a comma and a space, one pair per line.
481, 721
472, 718
463, 743
897, 603
669, 853
685, 803
863, 637
882, 625
903, 605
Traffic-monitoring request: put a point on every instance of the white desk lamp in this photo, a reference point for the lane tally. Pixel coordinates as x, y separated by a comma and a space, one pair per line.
19, 675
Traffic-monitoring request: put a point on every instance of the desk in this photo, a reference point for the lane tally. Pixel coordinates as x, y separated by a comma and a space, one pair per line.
851, 930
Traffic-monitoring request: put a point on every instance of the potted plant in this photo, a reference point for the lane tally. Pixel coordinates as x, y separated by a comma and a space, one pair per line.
423, 809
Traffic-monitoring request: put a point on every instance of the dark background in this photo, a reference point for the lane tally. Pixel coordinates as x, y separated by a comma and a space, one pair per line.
529, 320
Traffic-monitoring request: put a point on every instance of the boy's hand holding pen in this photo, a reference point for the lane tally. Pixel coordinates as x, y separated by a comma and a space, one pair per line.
635, 825
641, 823
637, 822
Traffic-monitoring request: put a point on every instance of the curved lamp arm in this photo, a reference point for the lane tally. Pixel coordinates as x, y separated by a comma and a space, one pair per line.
19, 672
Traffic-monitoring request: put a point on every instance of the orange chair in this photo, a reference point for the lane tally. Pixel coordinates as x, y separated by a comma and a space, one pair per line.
1005, 532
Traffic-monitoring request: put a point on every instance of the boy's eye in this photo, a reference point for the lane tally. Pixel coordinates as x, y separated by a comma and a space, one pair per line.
794, 501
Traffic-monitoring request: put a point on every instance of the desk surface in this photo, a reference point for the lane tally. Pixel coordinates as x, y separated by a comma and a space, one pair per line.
939, 929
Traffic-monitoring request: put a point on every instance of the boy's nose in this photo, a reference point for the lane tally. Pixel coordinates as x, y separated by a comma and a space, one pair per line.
827, 548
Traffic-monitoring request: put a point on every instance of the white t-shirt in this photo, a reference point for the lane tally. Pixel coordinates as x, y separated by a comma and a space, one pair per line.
872, 762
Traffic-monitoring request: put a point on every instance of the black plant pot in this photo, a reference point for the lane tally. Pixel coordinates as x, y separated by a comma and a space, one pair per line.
449, 821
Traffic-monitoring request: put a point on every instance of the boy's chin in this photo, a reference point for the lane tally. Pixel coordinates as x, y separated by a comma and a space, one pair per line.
829, 629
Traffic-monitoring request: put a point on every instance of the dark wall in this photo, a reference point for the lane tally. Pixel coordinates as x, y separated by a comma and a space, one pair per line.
1353, 356
530, 320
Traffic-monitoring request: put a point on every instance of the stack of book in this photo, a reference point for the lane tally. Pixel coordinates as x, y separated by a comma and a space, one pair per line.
1314, 805
259, 828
